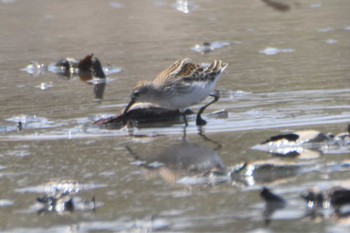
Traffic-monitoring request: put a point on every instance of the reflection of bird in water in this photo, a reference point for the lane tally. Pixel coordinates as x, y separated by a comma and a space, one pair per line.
181, 158
190, 157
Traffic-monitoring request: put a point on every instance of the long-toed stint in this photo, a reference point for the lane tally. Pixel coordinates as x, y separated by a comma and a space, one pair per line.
181, 85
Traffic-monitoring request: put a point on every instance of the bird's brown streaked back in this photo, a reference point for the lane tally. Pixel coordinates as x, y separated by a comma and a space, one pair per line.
188, 71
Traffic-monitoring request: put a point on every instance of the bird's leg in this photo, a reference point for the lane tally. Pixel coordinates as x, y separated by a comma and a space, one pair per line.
205, 138
199, 119
184, 118
186, 123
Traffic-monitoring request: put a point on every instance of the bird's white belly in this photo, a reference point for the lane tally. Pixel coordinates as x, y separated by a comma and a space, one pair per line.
182, 100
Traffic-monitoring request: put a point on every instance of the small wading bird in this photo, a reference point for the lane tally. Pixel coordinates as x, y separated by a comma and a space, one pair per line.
181, 85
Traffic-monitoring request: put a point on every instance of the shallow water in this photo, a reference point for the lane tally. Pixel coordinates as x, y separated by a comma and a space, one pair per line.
288, 69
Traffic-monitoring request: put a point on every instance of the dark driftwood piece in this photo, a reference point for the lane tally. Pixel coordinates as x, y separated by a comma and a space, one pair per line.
142, 114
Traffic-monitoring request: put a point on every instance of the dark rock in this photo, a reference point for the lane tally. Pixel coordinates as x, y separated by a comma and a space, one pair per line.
339, 197
273, 203
268, 196
97, 67
314, 199
85, 64
59, 202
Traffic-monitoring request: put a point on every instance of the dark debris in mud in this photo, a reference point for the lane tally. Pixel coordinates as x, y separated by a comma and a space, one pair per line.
142, 115
307, 144
89, 69
273, 202
86, 68
318, 203
64, 203
61, 197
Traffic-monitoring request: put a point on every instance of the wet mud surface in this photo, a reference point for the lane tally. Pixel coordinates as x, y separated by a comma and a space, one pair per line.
273, 157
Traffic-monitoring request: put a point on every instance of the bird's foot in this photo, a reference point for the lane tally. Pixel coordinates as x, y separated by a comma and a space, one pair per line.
200, 121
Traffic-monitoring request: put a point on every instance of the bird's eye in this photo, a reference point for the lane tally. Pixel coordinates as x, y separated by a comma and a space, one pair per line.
136, 94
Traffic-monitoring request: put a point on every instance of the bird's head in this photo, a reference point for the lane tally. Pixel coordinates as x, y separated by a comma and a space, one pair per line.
141, 93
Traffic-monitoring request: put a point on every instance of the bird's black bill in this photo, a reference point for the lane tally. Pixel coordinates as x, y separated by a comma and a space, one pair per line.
129, 106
